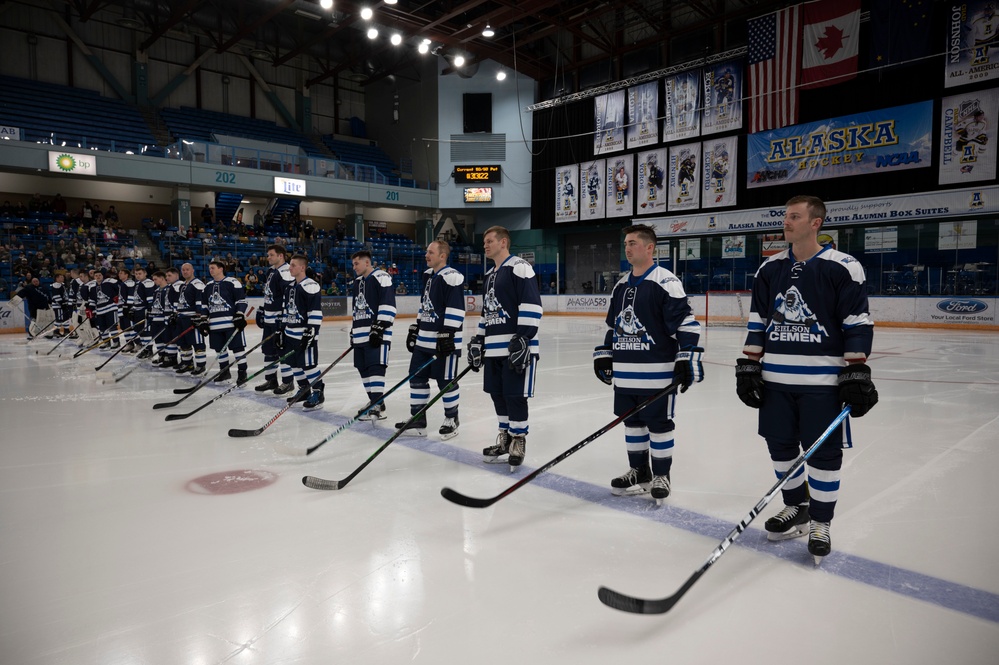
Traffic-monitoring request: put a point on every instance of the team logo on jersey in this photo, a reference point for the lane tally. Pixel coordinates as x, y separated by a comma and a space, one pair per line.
268, 294
793, 320
427, 312
291, 312
493, 313
102, 298
216, 303
361, 308
629, 332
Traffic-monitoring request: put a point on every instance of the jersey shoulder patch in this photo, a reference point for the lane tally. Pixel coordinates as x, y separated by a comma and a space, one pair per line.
383, 278
285, 272
310, 286
452, 277
522, 269
235, 282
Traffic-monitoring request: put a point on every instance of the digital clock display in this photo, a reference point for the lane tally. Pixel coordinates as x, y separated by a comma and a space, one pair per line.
476, 174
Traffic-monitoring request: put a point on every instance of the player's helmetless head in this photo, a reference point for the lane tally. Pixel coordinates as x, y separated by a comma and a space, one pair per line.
496, 242
216, 270
187, 270
362, 265
639, 245
437, 254
276, 255
298, 266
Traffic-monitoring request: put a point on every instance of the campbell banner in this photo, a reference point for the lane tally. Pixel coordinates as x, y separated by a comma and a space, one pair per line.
874, 142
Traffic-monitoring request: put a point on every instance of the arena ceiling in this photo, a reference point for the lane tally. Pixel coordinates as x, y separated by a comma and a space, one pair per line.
539, 38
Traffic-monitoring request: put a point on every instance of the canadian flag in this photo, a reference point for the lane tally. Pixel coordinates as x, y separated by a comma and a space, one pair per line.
830, 41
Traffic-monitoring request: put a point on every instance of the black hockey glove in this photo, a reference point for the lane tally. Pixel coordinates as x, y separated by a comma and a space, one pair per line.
749, 382
239, 320
308, 337
376, 337
687, 368
519, 351
856, 389
279, 340
172, 318
411, 337
127, 312
202, 324
603, 364
476, 351
445, 343
259, 318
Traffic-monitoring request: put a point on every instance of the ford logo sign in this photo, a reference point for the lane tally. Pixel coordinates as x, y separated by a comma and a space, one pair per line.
962, 306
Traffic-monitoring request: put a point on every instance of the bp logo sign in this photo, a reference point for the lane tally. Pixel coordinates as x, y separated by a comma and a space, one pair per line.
65, 162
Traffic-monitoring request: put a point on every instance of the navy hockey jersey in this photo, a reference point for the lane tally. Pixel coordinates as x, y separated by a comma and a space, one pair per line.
442, 307
126, 292
159, 306
220, 300
511, 305
103, 297
303, 307
373, 298
806, 317
648, 321
59, 297
142, 298
277, 285
188, 297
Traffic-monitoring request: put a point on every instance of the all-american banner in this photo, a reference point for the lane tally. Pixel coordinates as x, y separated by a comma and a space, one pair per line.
651, 180
968, 137
643, 115
617, 184
682, 118
874, 142
972, 43
566, 188
684, 177
591, 184
608, 119
722, 97
718, 161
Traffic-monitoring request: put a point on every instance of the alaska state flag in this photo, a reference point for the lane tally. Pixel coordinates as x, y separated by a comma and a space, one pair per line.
900, 31
830, 42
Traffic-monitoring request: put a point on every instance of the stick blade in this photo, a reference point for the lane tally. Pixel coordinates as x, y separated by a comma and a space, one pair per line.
236, 433
312, 482
119, 378
176, 416
166, 405
182, 391
625, 603
467, 501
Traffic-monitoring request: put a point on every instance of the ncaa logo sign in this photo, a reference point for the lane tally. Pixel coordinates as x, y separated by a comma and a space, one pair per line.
955, 306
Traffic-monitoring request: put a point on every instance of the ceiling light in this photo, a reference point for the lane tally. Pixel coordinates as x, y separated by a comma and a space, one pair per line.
306, 14
391, 2
396, 39
500, 75
326, 4
372, 33
459, 60
423, 47
488, 31
366, 13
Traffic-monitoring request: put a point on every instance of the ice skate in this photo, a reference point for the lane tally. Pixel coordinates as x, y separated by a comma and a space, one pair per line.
315, 400
416, 428
267, 386
632, 483
223, 376
660, 489
377, 412
819, 543
518, 450
449, 429
788, 523
492, 454
284, 388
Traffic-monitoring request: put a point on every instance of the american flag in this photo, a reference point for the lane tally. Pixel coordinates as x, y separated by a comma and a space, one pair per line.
774, 69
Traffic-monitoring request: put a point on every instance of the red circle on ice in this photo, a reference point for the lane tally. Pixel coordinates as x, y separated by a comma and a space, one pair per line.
231, 482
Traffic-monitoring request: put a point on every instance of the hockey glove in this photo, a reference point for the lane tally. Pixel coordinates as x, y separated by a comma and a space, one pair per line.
411, 337
376, 336
749, 382
476, 350
172, 318
259, 318
519, 351
308, 337
239, 320
856, 389
90, 313
603, 364
445, 343
279, 341
127, 312
202, 325
687, 368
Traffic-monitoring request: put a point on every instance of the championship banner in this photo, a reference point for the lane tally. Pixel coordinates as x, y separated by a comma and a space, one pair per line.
643, 115
718, 160
684, 177
879, 141
591, 181
682, 117
968, 137
651, 180
608, 120
566, 186
617, 184
722, 97
972, 43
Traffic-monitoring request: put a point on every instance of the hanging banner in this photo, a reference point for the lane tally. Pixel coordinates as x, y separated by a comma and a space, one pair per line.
972, 43
618, 186
643, 115
608, 120
718, 159
734, 247
722, 97
566, 186
885, 140
958, 235
684, 177
968, 136
682, 113
591, 179
881, 240
651, 180
772, 243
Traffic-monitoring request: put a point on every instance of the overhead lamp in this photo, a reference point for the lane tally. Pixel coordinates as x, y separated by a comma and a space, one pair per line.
391, 2
423, 47
366, 13
501, 75
459, 60
396, 39
372, 33
488, 31
326, 4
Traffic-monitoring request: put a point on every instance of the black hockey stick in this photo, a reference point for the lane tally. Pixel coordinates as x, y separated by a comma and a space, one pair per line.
225, 347
367, 408
321, 484
472, 502
620, 601
120, 348
300, 395
129, 367
181, 416
102, 342
65, 337
38, 335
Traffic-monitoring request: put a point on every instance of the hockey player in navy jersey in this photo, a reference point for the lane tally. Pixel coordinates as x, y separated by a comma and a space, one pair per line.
193, 358
61, 308
506, 344
270, 319
159, 313
171, 297
222, 312
809, 336
142, 300
371, 330
437, 334
126, 295
303, 316
652, 339
102, 308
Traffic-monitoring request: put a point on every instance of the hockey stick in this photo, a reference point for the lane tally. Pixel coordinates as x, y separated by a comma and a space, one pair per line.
297, 398
620, 601
357, 416
181, 416
472, 502
225, 347
322, 484
129, 368
38, 335
120, 349
187, 392
65, 337
101, 342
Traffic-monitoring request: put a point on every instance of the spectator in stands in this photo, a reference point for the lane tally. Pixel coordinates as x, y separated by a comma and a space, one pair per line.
104, 262
206, 215
254, 261
20, 210
258, 220
187, 254
111, 216
87, 214
4, 253
160, 226
341, 230
400, 289
7, 210
59, 205
194, 226
110, 235
393, 270
250, 282
98, 214
35, 204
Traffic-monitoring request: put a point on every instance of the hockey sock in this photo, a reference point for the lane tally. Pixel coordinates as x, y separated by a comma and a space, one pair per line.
795, 492
451, 401
636, 440
823, 486
661, 444
419, 394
